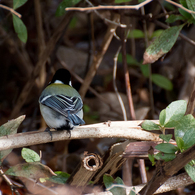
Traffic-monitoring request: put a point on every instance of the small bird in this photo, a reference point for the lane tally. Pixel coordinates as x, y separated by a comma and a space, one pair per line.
60, 104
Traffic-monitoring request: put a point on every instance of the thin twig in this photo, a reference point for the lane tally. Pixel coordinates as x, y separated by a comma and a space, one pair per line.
114, 7
150, 68
180, 6
12, 186
98, 58
99, 7
41, 40
115, 86
126, 71
11, 10
142, 169
191, 101
106, 19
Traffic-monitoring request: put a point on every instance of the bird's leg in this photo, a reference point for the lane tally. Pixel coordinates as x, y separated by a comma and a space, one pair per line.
69, 133
50, 133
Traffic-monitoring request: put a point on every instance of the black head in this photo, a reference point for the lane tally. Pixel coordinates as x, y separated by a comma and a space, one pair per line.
62, 75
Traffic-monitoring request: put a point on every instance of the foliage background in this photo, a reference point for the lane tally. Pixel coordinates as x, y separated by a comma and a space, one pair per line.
80, 41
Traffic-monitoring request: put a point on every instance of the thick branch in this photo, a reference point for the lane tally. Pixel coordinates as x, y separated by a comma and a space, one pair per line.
127, 129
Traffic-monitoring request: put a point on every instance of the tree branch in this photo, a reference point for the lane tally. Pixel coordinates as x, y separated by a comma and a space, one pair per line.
120, 129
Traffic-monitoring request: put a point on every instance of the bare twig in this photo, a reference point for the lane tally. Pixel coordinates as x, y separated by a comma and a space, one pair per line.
11, 10
12, 186
106, 19
98, 58
126, 71
115, 86
122, 129
41, 40
180, 6
142, 170
150, 68
191, 101
136, 7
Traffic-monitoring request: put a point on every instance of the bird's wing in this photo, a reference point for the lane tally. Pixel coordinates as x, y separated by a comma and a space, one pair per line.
67, 106
63, 104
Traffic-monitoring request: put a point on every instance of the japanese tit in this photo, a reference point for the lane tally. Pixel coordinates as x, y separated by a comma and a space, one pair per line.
60, 104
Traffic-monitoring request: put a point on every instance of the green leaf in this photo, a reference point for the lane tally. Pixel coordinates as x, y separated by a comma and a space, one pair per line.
132, 192
109, 181
172, 18
185, 129
174, 112
180, 143
186, 123
60, 177
162, 81
185, 14
129, 58
63, 5
73, 22
20, 28
191, 6
29, 155
189, 137
166, 148
149, 125
18, 3
191, 171
165, 157
122, 1
9, 128
136, 33
166, 137
162, 117
183, 2
162, 44
145, 70
152, 159
157, 33
33, 170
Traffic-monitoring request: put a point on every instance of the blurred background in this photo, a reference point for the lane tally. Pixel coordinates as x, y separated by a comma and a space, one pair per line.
77, 45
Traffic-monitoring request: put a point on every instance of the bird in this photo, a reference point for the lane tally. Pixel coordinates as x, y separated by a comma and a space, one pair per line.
60, 104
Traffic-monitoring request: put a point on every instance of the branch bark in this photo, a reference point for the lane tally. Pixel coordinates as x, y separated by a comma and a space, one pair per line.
120, 129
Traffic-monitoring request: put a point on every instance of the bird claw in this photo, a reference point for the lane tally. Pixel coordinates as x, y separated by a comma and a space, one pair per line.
50, 133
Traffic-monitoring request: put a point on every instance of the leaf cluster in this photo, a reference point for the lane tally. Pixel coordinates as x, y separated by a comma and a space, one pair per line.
184, 132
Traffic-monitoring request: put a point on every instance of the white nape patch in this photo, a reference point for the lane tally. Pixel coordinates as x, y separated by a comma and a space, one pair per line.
58, 81
45, 98
70, 83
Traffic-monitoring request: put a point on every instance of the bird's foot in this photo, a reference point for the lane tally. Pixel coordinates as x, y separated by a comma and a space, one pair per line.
50, 133
69, 133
